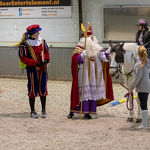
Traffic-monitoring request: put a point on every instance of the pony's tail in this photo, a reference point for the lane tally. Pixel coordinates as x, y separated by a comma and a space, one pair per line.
142, 51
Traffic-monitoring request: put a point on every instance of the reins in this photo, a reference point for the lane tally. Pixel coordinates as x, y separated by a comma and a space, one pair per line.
128, 74
127, 97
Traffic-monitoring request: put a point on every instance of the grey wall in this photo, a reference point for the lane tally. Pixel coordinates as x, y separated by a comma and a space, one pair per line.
60, 64
58, 68
9, 61
93, 12
60, 33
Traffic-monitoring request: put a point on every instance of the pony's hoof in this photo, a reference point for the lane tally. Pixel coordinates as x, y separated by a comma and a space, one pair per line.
138, 120
129, 119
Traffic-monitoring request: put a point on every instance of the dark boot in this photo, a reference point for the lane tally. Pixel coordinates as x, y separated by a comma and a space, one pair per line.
43, 114
71, 114
34, 115
43, 104
32, 103
87, 116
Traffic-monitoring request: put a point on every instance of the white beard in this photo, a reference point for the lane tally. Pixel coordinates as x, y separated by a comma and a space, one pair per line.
92, 46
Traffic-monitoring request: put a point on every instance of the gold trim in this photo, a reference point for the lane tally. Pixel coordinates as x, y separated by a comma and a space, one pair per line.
89, 69
83, 112
32, 53
32, 85
95, 64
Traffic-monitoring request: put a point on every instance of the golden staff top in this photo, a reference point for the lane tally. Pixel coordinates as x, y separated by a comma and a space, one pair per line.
84, 30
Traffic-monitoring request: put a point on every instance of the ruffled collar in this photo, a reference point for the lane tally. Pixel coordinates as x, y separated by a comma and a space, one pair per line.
35, 42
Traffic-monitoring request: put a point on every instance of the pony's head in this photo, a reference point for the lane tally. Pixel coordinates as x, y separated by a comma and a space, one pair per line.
117, 57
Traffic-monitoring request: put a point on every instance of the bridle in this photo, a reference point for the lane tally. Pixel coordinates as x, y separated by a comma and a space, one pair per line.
118, 69
120, 63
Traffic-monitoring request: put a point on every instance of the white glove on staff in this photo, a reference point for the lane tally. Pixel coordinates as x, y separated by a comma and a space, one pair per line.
108, 50
83, 53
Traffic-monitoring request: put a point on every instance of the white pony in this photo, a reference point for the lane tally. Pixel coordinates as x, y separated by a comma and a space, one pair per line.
123, 58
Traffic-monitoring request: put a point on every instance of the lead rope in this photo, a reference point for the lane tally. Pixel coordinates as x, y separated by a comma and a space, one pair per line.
127, 97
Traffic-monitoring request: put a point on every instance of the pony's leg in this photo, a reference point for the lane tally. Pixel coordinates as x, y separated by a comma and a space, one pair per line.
131, 112
139, 119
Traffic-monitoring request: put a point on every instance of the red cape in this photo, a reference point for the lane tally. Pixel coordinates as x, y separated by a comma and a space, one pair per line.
75, 91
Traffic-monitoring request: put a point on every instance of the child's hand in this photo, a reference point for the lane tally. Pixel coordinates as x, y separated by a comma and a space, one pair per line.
1, 91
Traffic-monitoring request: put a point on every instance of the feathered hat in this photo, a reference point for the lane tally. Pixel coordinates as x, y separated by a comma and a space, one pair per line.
29, 31
33, 29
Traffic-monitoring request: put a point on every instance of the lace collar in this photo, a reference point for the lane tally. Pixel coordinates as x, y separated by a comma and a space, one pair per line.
35, 42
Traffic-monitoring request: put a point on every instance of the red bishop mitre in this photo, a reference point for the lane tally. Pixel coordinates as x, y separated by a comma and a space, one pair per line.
89, 32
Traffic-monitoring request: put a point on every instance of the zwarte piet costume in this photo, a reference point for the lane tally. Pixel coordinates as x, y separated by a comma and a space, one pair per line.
33, 51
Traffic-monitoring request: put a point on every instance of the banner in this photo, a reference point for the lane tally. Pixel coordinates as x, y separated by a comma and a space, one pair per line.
33, 3
35, 9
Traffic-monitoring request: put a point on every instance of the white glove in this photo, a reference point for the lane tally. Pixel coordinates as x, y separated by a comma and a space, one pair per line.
83, 53
108, 50
103, 56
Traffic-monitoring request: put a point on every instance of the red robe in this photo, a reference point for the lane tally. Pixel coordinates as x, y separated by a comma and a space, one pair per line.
75, 91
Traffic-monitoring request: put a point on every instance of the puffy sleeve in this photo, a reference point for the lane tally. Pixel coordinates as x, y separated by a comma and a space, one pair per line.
23, 53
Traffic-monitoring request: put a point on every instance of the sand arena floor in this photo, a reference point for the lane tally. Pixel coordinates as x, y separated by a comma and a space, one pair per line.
107, 131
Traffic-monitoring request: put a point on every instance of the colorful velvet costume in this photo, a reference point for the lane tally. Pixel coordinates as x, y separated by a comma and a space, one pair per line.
37, 76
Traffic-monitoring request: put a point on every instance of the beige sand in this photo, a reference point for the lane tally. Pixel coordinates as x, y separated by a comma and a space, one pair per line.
1, 91
108, 131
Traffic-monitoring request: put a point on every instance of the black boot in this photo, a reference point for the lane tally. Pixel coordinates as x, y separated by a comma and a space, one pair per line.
33, 113
32, 102
71, 114
87, 116
43, 114
43, 104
